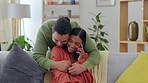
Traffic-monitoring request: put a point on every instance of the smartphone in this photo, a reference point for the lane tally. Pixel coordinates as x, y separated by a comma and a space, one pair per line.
76, 55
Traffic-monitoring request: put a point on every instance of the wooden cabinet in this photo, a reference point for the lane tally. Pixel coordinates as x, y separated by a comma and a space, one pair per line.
123, 27
55, 10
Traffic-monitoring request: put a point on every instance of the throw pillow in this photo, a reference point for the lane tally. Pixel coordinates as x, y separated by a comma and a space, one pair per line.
19, 67
137, 72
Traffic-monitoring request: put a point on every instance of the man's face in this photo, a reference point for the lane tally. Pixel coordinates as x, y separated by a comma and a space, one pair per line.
60, 40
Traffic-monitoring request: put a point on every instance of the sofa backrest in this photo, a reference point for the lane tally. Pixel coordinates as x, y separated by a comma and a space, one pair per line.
117, 63
3, 55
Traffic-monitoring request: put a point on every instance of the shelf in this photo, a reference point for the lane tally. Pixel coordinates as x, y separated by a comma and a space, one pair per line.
73, 16
134, 42
145, 21
129, 0
124, 43
60, 10
65, 3
55, 17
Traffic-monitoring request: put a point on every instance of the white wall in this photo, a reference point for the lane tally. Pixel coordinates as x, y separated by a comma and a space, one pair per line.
111, 19
32, 24
2, 15
5, 28
2, 19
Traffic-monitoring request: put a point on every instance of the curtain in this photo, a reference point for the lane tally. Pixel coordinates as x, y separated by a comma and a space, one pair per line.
5, 24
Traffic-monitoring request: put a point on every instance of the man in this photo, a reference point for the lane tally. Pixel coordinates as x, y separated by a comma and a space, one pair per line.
57, 33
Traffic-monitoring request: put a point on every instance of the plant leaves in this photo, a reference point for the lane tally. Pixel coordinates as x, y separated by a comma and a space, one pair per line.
98, 17
20, 40
91, 34
94, 20
98, 34
100, 47
102, 34
105, 47
105, 41
95, 27
100, 26
91, 29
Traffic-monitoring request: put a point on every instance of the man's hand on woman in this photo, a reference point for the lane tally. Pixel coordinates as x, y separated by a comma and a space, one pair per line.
61, 65
76, 69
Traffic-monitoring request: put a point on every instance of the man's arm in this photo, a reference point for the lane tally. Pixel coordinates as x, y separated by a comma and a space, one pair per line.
40, 49
94, 55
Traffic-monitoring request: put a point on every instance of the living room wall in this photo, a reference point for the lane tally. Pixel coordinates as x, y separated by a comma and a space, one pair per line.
110, 19
32, 24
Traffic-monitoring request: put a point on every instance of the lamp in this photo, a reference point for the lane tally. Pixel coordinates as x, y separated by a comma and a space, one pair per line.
18, 12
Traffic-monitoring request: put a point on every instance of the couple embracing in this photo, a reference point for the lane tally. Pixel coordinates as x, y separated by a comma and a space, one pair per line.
72, 56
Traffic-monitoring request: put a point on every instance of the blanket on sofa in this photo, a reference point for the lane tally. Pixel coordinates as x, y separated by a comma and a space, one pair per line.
100, 70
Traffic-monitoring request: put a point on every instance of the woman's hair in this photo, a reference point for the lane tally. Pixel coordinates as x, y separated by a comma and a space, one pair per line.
62, 26
79, 32
82, 34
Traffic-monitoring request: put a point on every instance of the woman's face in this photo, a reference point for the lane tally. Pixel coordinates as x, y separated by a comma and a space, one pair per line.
74, 43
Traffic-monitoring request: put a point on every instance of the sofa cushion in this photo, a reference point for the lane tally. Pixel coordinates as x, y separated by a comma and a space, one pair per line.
19, 67
117, 63
137, 72
2, 56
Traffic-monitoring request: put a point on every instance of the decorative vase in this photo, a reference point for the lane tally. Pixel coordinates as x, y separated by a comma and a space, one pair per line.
146, 32
133, 31
50, 2
72, 1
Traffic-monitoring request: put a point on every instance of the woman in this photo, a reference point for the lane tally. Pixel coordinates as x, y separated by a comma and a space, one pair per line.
74, 53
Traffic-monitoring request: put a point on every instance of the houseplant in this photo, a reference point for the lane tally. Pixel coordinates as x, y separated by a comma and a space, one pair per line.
98, 34
22, 42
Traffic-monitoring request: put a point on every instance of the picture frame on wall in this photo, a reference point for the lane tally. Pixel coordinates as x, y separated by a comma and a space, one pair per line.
105, 2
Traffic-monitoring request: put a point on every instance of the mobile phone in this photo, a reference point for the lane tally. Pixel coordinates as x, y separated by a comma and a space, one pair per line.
76, 55
78, 51
78, 48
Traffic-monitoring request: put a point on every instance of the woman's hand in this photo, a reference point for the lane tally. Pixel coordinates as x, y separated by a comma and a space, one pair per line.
81, 52
76, 69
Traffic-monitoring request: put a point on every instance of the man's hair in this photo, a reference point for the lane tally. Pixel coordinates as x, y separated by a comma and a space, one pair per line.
62, 26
